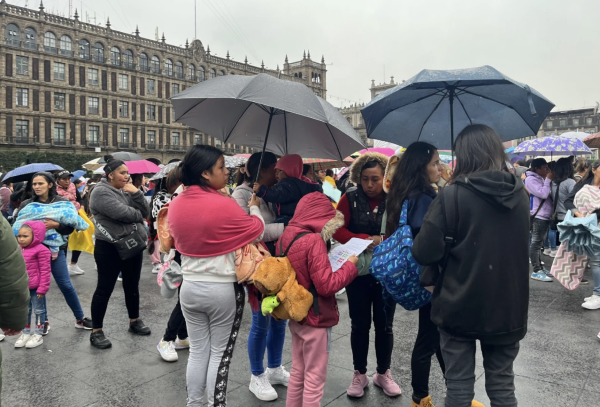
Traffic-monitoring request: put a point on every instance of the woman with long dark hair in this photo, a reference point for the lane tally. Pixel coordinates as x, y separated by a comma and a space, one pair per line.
482, 293
563, 183
207, 228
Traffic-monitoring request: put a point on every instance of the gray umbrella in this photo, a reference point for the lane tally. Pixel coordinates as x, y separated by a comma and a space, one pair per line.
434, 106
267, 113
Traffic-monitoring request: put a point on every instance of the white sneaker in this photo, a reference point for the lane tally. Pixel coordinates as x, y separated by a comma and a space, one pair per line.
262, 389
2, 336
74, 269
156, 268
182, 343
278, 376
592, 303
586, 299
22, 341
342, 291
34, 341
547, 252
167, 351
553, 253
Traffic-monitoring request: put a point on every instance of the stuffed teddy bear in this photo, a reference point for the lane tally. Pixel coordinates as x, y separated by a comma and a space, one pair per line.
276, 276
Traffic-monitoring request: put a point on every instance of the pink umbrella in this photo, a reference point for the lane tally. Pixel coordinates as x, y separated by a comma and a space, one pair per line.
388, 152
243, 155
142, 167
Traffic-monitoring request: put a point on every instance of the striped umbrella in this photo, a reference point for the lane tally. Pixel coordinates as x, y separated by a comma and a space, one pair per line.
592, 141
323, 163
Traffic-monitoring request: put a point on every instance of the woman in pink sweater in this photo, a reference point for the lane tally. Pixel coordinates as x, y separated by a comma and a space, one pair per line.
37, 260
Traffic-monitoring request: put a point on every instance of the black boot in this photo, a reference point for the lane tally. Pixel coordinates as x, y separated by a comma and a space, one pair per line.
99, 340
137, 327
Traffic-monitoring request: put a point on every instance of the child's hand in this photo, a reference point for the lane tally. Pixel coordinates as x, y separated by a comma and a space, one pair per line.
40, 296
256, 187
254, 201
376, 240
353, 259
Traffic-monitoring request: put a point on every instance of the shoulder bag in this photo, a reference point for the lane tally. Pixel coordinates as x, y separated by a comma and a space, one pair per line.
128, 246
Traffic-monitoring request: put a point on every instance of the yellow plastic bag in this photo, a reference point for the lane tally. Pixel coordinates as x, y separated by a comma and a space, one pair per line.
83, 241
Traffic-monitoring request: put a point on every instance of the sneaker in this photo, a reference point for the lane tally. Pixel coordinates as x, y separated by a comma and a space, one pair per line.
598, 335
426, 402
553, 253
547, 273
385, 381
84, 323
278, 376
120, 278
541, 276
137, 327
74, 269
357, 387
167, 351
2, 336
46, 328
341, 292
547, 252
181, 343
584, 281
98, 340
22, 341
592, 303
34, 341
261, 388
156, 268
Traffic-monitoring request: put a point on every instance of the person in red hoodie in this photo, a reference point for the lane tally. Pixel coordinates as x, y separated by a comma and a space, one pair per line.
318, 220
37, 261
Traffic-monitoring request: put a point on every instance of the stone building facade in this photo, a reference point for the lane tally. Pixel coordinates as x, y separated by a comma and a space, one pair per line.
80, 88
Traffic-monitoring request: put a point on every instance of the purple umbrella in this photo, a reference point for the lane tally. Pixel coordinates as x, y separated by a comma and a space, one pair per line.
552, 145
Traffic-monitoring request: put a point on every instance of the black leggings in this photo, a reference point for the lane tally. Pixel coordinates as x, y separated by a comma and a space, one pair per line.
365, 298
109, 265
74, 255
176, 326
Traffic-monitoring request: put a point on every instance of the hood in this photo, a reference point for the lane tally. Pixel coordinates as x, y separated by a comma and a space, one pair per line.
362, 160
39, 231
315, 214
291, 164
499, 188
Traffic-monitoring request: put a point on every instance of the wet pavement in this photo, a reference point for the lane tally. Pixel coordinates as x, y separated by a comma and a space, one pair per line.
558, 364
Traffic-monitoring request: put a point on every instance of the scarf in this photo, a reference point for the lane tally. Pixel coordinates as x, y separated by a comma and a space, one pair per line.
204, 223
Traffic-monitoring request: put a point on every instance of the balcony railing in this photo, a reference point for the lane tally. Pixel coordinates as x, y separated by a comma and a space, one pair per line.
156, 70
150, 146
21, 140
124, 145
144, 68
61, 142
179, 75
67, 53
11, 42
51, 50
193, 78
175, 147
86, 56
99, 58
96, 143
169, 73
130, 65
30, 45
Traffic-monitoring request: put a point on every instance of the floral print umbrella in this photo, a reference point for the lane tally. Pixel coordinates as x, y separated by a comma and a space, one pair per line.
552, 145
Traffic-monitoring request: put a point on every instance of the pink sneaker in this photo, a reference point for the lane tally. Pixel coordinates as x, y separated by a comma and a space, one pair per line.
357, 387
385, 381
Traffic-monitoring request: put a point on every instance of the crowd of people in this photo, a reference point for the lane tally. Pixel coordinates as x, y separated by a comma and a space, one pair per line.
279, 204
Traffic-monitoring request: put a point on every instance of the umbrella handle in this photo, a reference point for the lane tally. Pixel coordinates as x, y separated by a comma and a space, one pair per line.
262, 155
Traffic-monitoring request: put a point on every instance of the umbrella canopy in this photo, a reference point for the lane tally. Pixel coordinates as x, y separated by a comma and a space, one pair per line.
233, 162
243, 155
592, 141
271, 114
388, 152
78, 174
575, 134
552, 145
124, 156
323, 163
24, 173
509, 150
434, 106
142, 167
165, 170
94, 164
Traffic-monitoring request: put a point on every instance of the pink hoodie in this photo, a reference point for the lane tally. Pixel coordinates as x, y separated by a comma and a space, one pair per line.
37, 258
69, 193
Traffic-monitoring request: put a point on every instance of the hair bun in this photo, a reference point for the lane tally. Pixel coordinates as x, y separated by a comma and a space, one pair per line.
108, 158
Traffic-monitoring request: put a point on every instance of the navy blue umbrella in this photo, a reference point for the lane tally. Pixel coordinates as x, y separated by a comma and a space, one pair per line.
24, 173
434, 106
78, 174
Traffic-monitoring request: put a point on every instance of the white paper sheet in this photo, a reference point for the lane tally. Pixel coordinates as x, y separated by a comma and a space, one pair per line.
332, 192
339, 255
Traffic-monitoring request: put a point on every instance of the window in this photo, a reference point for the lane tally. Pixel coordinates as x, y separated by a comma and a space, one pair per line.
192, 72
93, 105
588, 121
94, 136
93, 76
128, 59
151, 143
168, 67
84, 49
575, 122
179, 70
563, 123
30, 39
198, 139
124, 109
124, 137
50, 42
201, 74
155, 63
175, 140
66, 46
98, 52
22, 131
151, 112
22, 97
22, 65
548, 125
213, 73
115, 56
59, 71
60, 101
13, 35
151, 86
144, 63
60, 134
123, 81
175, 89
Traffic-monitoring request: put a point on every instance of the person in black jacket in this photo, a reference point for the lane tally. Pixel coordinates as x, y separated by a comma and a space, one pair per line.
483, 292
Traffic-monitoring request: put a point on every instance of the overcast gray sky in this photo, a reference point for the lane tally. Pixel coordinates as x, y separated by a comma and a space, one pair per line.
549, 44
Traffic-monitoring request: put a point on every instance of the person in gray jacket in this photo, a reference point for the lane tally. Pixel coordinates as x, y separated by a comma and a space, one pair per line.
116, 205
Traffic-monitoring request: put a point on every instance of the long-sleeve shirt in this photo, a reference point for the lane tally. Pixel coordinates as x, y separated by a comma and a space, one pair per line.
343, 234
540, 188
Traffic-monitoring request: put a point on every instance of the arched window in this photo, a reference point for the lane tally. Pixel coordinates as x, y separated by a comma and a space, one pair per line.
192, 72
144, 62
50, 42
66, 46
13, 35
179, 69
155, 63
300, 75
98, 52
296, 75
30, 40
115, 56
128, 59
221, 73
84, 49
201, 74
168, 67
213, 73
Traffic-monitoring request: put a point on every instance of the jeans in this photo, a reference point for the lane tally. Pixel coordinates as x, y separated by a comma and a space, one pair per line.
265, 333
63, 280
176, 326
38, 306
426, 345
365, 298
459, 354
538, 235
595, 266
550, 242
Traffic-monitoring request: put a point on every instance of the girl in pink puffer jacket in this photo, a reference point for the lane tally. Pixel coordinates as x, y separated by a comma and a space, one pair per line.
37, 261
